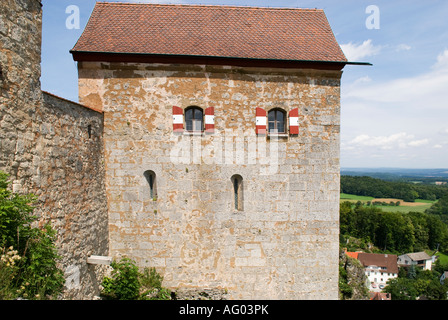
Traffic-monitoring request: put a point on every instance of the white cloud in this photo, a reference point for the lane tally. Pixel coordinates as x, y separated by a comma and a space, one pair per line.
365, 79
403, 47
427, 90
397, 140
400, 140
356, 52
418, 143
442, 61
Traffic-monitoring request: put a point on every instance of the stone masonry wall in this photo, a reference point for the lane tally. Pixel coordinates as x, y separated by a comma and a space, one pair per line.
20, 23
284, 243
53, 148
69, 180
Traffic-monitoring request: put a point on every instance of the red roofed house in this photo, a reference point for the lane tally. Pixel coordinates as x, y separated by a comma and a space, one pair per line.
221, 130
379, 269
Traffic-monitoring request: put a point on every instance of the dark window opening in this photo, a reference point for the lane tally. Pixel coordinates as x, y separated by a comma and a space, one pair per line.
237, 188
89, 130
151, 179
276, 121
194, 119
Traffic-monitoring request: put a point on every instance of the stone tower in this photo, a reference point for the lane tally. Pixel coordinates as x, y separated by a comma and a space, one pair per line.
221, 134
21, 95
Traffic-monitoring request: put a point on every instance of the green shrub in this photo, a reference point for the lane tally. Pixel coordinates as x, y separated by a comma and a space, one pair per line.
151, 283
123, 284
127, 283
31, 272
8, 271
40, 273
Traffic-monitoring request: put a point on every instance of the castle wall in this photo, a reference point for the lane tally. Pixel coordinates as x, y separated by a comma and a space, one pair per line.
69, 180
283, 244
20, 24
53, 148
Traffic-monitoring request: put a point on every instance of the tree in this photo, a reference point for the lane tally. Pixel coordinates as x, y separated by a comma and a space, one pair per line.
401, 289
436, 291
395, 232
345, 217
421, 232
437, 233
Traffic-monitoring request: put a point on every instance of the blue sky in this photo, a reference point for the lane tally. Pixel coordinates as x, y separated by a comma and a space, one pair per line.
394, 113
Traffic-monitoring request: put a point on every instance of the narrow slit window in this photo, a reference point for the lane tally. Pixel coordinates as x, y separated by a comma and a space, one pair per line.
151, 179
237, 190
235, 193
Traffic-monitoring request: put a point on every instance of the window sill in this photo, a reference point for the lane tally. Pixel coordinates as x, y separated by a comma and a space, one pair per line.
278, 135
193, 133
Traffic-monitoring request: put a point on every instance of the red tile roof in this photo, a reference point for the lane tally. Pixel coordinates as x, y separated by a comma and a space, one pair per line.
210, 31
352, 254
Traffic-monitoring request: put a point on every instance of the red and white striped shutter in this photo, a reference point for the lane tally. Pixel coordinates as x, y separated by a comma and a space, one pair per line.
178, 119
294, 121
210, 120
260, 121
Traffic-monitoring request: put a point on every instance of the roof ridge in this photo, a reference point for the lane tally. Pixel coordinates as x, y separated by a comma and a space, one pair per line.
205, 5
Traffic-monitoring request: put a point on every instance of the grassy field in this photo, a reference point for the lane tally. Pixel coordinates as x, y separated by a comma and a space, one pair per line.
345, 196
417, 206
442, 257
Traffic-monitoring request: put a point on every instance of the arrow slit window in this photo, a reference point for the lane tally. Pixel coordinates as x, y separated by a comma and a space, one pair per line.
237, 190
151, 179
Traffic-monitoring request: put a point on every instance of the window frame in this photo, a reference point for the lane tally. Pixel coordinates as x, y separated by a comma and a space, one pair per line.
194, 109
275, 121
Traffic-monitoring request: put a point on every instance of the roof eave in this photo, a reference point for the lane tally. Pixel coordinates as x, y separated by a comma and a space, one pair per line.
358, 63
79, 55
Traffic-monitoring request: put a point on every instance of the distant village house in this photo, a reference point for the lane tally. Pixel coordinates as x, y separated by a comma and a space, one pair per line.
379, 268
418, 259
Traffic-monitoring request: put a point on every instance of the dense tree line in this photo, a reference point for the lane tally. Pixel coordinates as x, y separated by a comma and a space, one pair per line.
440, 209
377, 188
393, 232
